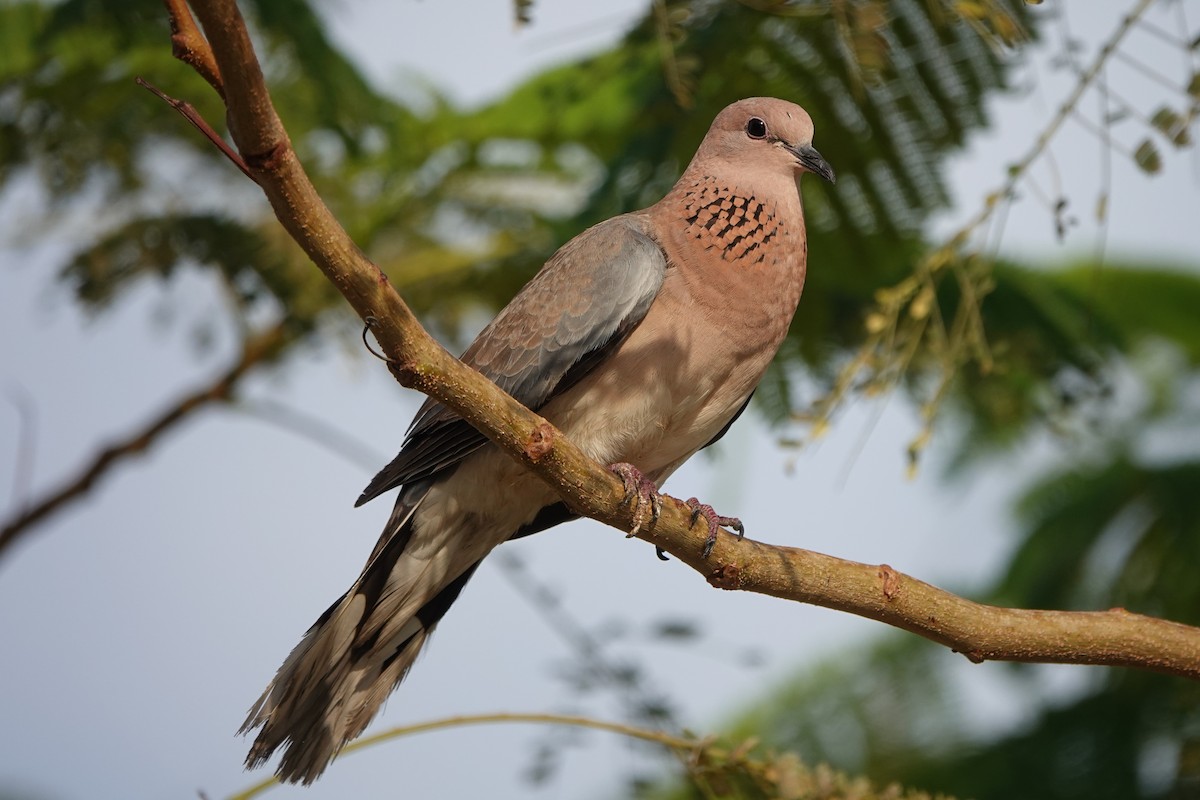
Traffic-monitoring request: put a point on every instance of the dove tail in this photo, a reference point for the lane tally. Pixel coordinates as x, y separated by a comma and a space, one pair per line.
338, 676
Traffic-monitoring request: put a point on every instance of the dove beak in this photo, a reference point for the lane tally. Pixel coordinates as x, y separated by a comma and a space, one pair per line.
812, 161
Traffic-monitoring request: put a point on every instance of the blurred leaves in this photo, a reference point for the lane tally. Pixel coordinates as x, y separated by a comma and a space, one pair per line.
461, 206
1058, 338
1147, 157
72, 117
256, 268
870, 722
897, 711
748, 771
1118, 533
1173, 125
425, 193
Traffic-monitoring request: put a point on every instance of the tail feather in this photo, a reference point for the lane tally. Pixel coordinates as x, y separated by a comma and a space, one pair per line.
338, 676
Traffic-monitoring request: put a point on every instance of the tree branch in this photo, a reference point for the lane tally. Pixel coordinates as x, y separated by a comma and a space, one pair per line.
685, 745
256, 349
189, 46
708, 763
189, 112
978, 631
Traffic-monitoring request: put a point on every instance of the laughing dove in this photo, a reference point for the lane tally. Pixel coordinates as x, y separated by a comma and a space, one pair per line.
642, 339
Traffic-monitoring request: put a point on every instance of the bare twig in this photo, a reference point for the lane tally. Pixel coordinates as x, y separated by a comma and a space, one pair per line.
1065, 112
256, 349
316, 430
190, 113
680, 744
26, 449
672, 74
981, 632
641, 700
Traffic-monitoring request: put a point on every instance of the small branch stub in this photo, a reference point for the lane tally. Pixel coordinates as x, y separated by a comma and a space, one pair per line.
974, 656
189, 45
541, 442
727, 577
270, 160
407, 373
891, 581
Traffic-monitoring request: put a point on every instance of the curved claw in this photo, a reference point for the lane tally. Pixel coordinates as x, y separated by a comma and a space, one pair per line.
715, 522
642, 493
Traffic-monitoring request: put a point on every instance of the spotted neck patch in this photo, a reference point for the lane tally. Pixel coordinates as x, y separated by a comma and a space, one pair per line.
737, 226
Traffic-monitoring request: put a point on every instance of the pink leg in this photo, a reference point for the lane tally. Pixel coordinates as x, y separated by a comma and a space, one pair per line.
715, 521
640, 491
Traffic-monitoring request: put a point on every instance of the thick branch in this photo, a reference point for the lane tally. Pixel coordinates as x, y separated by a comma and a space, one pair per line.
256, 349
980, 632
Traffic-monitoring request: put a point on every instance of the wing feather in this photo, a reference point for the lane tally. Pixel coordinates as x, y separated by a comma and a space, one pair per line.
583, 303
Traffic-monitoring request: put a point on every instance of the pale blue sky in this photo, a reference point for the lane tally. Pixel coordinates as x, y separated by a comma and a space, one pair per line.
140, 624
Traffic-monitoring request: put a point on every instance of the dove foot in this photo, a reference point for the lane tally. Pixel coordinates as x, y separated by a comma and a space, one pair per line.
715, 522
641, 492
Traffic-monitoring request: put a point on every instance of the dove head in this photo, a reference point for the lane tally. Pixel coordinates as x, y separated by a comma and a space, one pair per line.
763, 133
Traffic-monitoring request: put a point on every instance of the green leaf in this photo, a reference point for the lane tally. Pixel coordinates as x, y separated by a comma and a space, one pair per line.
1137, 302
1147, 158
1171, 124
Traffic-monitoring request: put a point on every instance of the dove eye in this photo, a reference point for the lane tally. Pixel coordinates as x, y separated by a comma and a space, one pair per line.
756, 128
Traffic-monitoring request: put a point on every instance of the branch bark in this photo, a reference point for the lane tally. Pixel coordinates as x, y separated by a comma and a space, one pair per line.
980, 632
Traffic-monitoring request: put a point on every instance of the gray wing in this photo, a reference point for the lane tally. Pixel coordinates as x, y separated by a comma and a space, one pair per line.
583, 303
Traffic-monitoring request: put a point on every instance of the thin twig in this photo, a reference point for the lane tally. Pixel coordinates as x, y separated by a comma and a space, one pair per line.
680, 744
670, 62
1150, 73
189, 45
190, 113
1065, 111
26, 450
257, 349
1170, 38
315, 429
638, 696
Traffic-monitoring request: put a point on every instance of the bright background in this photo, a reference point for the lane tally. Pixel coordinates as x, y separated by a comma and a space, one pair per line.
138, 625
